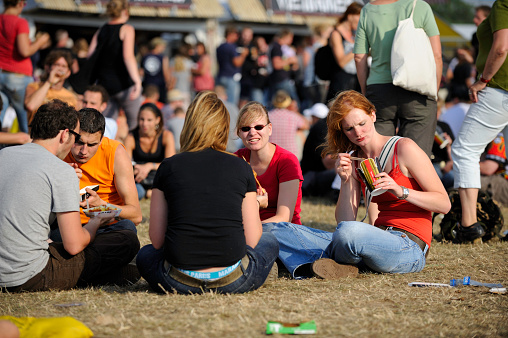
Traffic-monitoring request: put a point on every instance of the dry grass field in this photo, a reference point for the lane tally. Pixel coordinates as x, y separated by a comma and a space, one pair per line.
372, 305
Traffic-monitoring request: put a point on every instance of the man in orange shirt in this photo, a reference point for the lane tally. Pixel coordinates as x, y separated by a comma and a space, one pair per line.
98, 160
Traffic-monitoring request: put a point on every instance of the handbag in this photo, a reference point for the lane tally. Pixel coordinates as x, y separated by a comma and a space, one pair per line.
413, 66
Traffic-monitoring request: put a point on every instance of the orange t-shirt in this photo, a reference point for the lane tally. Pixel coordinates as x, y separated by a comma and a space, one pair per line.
100, 169
63, 94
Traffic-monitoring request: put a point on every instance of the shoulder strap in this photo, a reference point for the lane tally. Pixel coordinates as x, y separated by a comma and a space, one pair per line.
383, 157
414, 5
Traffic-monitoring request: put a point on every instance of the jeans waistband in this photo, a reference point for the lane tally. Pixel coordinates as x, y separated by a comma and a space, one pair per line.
185, 279
411, 236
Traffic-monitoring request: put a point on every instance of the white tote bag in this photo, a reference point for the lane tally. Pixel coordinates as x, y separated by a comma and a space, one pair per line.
412, 61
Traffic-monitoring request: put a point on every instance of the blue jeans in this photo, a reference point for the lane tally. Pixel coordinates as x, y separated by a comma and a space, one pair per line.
446, 178
124, 224
150, 264
13, 85
484, 120
141, 191
232, 88
352, 243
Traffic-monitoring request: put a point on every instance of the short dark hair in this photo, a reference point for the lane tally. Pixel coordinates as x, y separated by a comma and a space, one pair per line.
230, 29
52, 117
91, 121
56, 54
96, 88
11, 3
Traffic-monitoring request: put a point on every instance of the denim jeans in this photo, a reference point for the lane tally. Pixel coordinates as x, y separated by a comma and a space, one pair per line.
13, 85
232, 88
352, 243
484, 120
150, 264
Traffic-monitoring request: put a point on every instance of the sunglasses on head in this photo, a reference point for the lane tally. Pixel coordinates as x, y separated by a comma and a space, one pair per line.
257, 127
77, 137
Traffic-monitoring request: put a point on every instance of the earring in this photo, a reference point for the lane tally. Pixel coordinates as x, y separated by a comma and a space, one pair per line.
157, 126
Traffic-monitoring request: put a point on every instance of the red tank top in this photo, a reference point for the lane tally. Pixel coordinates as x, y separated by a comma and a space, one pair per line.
400, 213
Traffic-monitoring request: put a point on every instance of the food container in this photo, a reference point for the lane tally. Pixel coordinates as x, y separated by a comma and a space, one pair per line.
108, 209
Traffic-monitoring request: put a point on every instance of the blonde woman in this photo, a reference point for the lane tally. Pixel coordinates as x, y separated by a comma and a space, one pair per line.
204, 222
147, 146
116, 68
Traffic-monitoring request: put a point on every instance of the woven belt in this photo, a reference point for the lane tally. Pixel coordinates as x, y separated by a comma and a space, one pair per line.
205, 284
411, 236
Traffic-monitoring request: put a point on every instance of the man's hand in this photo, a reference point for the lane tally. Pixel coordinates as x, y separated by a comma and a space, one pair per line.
78, 171
93, 200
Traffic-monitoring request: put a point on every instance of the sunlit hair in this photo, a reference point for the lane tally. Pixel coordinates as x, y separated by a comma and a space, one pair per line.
336, 141
252, 111
114, 8
353, 9
206, 124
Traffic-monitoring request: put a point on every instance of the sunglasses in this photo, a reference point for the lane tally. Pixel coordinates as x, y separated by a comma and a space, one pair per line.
258, 128
77, 137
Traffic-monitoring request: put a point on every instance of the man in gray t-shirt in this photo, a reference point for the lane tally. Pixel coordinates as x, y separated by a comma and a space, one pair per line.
37, 188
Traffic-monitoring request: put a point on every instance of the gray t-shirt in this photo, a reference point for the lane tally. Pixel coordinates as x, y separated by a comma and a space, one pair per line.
34, 186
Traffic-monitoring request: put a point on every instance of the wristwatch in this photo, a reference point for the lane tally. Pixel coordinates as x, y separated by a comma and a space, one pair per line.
405, 193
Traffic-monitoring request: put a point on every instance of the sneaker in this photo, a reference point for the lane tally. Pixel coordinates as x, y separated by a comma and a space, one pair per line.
272, 275
327, 268
469, 234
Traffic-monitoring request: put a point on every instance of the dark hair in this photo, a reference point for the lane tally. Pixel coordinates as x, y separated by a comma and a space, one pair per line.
91, 121
11, 3
150, 90
52, 117
230, 30
156, 111
353, 9
96, 88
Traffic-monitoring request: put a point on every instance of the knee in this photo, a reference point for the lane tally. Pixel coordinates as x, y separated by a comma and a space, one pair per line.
347, 232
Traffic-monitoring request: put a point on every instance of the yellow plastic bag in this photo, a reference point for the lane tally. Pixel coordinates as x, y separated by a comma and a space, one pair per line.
62, 327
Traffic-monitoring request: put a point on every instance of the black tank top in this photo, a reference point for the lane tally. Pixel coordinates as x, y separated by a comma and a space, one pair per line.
110, 66
139, 156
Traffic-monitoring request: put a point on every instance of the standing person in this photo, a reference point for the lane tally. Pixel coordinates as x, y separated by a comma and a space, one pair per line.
230, 60
480, 13
57, 69
202, 78
15, 65
155, 68
42, 188
413, 113
115, 66
181, 72
486, 118
342, 40
147, 146
400, 230
204, 225
277, 169
282, 65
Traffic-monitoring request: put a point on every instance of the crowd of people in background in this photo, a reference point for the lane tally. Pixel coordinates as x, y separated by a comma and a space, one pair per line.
158, 118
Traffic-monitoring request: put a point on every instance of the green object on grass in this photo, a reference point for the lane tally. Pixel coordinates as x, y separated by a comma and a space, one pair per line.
291, 328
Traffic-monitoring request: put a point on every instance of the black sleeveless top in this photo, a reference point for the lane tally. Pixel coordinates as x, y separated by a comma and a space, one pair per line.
139, 156
110, 66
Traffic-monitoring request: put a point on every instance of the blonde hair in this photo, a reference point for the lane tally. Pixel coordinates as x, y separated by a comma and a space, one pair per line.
336, 140
114, 8
249, 113
206, 124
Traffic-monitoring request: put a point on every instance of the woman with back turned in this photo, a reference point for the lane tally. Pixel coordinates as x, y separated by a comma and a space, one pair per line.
204, 221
